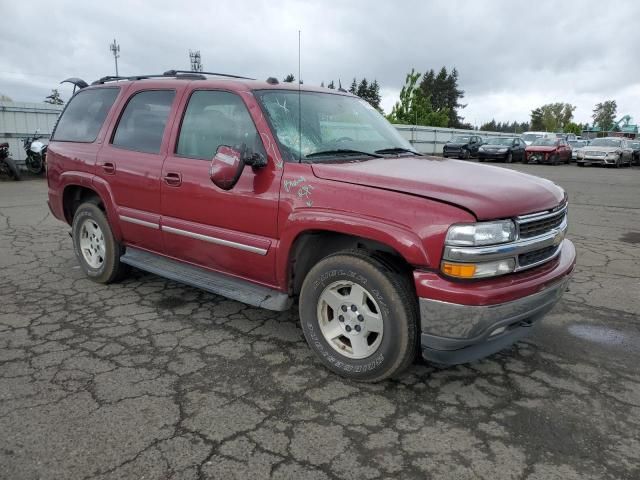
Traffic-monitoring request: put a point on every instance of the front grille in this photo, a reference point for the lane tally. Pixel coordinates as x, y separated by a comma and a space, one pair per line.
534, 228
594, 153
536, 256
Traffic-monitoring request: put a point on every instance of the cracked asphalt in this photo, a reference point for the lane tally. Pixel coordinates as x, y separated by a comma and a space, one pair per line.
151, 379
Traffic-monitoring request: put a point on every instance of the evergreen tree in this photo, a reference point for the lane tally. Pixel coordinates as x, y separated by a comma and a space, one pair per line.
374, 95
331, 85
54, 98
289, 78
322, 84
363, 89
354, 87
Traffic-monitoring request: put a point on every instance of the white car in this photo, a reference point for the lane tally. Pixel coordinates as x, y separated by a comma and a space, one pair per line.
576, 146
530, 137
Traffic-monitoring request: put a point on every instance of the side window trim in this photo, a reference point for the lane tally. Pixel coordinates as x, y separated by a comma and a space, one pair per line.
123, 109
176, 140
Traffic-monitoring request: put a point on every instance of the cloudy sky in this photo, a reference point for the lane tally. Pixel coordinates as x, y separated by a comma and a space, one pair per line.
511, 55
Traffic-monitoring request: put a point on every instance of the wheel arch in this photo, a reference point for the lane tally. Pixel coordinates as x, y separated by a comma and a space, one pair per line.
307, 247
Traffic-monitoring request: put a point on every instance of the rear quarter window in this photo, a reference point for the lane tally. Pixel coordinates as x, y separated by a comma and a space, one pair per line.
83, 118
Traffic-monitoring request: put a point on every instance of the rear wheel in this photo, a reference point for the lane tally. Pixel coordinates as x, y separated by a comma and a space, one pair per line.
10, 168
359, 316
34, 164
95, 246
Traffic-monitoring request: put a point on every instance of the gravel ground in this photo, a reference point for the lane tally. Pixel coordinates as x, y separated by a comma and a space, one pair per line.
152, 379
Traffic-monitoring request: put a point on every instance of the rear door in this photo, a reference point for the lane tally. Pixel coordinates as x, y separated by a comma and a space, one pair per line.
131, 163
231, 231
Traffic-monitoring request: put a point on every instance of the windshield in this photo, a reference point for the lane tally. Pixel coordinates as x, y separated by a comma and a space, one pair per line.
500, 141
335, 124
530, 137
635, 145
606, 142
545, 142
460, 139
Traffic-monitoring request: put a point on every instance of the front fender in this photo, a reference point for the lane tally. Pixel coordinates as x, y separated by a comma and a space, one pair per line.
394, 235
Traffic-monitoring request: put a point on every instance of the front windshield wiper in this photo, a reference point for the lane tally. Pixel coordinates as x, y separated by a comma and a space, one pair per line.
342, 152
393, 150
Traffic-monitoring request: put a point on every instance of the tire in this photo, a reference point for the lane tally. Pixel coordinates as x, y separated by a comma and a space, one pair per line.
509, 158
555, 160
381, 353
445, 155
466, 155
14, 172
90, 220
34, 165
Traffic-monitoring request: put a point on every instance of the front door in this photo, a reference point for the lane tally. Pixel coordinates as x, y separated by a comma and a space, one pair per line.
131, 163
231, 231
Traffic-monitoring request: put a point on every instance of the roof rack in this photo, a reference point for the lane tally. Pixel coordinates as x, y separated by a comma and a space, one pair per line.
172, 73
180, 74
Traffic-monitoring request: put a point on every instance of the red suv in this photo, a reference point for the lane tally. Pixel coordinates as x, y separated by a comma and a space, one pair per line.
265, 193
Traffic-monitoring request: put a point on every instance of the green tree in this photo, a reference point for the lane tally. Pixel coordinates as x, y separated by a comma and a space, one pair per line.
604, 114
289, 78
331, 85
54, 98
373, 95
552, 117
573, 127
4, 98
444, 94
363, 89
414, 107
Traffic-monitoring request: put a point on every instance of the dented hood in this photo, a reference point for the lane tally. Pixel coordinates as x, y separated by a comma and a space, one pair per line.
488, 192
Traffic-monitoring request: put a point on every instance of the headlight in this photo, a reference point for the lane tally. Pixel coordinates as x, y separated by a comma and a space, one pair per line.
478, 270
502, 150
486, 233
613, 154
481, 149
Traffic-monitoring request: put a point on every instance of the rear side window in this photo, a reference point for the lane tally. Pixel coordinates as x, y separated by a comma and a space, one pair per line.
82, 119
215, 118
142, 124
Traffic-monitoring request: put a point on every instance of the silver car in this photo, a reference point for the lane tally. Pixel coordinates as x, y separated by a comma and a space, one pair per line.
606, 151
576, 145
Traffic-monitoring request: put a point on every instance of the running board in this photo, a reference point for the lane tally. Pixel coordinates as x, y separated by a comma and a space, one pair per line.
213, 282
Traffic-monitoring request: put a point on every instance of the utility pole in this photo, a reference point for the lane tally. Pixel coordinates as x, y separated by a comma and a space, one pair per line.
115, 49
196, 64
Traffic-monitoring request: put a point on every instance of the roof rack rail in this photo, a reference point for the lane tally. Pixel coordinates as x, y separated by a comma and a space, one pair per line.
181, 74
172, 73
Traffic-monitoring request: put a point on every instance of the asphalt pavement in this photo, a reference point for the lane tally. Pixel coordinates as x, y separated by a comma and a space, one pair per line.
152, 379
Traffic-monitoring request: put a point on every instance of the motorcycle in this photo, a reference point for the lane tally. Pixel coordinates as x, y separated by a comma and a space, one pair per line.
36, 154
8, 167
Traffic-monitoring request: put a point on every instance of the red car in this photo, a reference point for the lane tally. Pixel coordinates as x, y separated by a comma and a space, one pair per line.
548, 150
266, 194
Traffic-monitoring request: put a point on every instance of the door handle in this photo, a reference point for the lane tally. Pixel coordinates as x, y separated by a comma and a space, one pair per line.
173, 179
109, 168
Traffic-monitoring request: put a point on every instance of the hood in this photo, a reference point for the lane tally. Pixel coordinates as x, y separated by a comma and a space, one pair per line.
488, 192
602, 149
541, 148
455, 144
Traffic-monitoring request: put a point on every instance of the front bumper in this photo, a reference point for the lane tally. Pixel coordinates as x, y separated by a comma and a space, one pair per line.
593, 160
453, 333
484, 155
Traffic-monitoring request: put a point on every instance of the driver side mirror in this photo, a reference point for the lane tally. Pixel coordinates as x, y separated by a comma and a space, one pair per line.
228, 163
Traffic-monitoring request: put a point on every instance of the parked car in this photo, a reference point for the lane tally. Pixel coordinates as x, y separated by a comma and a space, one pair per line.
530, 137
614, 151
462, 146
576, 145
507, 149
635, 146
548, 150
207, 179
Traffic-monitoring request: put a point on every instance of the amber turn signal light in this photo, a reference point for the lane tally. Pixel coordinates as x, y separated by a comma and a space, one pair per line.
460, 270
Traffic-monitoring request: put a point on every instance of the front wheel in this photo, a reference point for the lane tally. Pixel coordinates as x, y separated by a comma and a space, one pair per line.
95, 246
509, 158
359, 316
